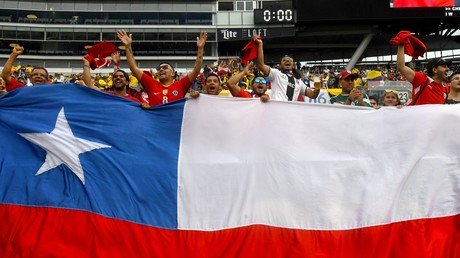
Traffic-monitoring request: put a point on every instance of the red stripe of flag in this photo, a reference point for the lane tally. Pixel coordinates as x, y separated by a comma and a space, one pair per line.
53, 232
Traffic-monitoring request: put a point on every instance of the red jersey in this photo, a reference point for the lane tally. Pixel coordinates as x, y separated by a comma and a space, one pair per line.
244, 94
14, 84
423, 3
127, 96
140, 95
160, 94
432, 93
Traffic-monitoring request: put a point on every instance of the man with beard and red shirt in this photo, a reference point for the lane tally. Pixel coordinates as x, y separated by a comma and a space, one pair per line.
120, 81
166, 90
429, 88
39, 75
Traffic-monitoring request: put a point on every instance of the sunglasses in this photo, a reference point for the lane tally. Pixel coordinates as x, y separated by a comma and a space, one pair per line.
258, 80
164, 67
392, 91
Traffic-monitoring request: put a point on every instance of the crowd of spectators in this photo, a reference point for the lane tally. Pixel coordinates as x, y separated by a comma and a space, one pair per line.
282, 81
226, 68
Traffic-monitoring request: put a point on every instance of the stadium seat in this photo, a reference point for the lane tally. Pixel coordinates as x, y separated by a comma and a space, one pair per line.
112, 21
60, 21
42, 20
5, 18
127, 21
194, 21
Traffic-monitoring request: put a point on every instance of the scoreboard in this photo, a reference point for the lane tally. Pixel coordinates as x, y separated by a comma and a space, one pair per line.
367, 10
278, 12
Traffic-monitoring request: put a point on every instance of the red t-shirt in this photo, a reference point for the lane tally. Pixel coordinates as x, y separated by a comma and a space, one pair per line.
14, 84
423, 3
243, 94
127, 96
434, 93
160, 94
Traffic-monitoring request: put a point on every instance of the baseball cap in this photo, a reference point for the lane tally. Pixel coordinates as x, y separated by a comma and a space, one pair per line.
346, 73
435, 62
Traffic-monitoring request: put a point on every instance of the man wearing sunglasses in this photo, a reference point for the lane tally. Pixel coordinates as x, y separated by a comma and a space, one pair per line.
286, 83
259, 85
166, 90
429, 88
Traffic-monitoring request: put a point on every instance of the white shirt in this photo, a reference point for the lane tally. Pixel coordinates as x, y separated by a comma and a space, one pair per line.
279, 83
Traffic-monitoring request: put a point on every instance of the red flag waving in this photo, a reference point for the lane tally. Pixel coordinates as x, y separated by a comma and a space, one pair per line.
412, 45
102, 49
249, 52
98, 53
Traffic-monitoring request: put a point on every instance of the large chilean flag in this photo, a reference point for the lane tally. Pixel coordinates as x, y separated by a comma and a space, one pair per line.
87, 174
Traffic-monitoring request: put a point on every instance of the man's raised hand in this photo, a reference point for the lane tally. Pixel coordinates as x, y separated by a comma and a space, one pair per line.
201, 40
17, 50
124, 37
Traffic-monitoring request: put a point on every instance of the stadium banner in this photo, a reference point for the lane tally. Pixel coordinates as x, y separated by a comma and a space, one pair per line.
234, 34
88, 174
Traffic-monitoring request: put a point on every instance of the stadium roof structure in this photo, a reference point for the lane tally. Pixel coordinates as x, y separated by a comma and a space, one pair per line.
340, 42
335, 30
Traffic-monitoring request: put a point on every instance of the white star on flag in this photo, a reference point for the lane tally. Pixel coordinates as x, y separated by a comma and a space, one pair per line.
62, 147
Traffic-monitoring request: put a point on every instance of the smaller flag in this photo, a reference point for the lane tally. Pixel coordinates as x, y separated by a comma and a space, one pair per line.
249, 52
412, 45
98, 53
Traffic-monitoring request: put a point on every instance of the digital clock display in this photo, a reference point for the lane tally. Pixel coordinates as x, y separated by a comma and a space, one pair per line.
279, 15
275, 14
